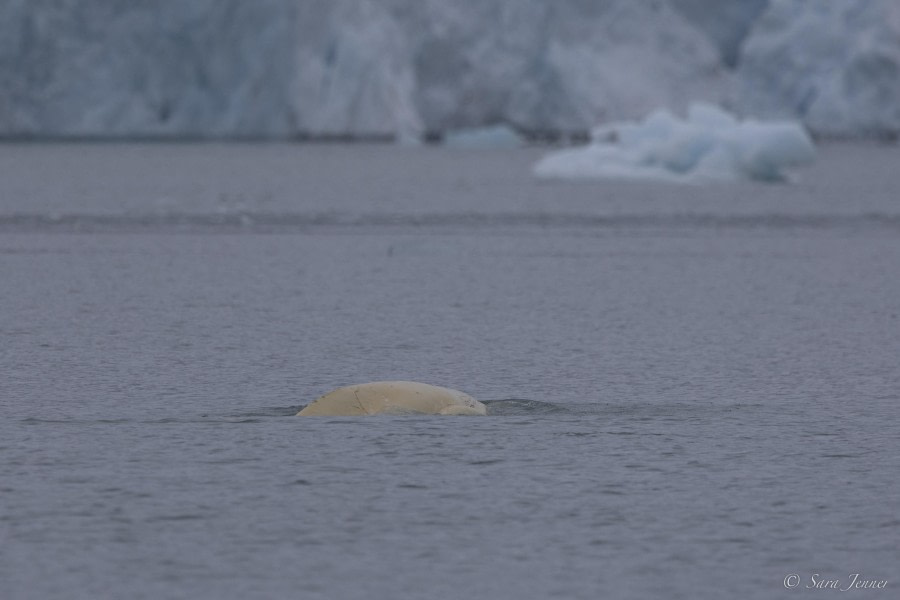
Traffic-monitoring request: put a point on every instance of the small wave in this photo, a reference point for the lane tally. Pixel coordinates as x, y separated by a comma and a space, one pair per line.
523, 407
267, 411
40, 421
263, 222
504, 407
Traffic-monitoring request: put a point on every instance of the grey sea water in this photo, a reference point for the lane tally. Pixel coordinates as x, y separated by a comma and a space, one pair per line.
693, 391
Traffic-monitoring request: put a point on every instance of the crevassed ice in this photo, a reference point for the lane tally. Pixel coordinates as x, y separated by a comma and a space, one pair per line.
405, 69
834, 65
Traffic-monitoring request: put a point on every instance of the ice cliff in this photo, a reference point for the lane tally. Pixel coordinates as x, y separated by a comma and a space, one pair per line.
146, 67
835, 65
285, 68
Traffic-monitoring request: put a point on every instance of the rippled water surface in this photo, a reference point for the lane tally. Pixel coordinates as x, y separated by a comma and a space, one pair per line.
692, 391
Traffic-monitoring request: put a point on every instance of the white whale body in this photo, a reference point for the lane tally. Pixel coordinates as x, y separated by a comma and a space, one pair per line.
394, 397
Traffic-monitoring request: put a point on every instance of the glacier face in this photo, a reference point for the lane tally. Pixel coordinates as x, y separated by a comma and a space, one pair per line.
283, 68
835, 65
726, 23
351, 71
335, 67
145, 67
556, 66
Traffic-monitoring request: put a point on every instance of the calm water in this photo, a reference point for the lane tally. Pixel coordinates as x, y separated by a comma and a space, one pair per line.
693, 390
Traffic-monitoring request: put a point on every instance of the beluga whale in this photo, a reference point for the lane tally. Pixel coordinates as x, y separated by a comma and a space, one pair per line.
393, 397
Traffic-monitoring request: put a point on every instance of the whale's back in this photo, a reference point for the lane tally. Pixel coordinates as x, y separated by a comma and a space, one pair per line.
394, 397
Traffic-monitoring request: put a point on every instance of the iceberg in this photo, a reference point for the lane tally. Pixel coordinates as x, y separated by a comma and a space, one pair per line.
708, 145
496, 136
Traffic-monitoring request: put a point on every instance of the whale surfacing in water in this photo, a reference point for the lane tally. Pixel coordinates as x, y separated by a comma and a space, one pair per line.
394, 397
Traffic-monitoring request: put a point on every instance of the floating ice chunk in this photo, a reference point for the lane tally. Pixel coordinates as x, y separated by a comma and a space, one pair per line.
710, 144
496, 136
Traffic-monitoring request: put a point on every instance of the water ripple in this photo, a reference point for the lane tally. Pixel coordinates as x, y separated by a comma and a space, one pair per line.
262, 222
